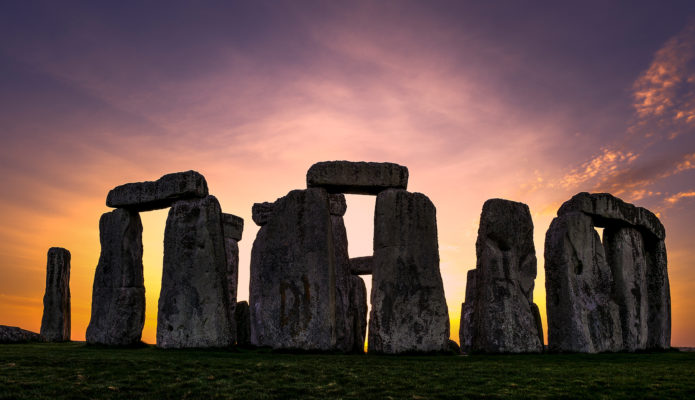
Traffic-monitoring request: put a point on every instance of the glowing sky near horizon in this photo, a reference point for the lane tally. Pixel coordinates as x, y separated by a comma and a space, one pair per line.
531, 102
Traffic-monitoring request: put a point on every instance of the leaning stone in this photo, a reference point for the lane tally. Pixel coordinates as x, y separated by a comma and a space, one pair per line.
292, 285
194, 299
357, 177
233, 226
243, 323
467, 327
358, 313
362, 265
118, 294
338, 205
625, 252
409, 311
261, 212
55, 323
13, 334
582, 316
503, 318
604, 206
162, 193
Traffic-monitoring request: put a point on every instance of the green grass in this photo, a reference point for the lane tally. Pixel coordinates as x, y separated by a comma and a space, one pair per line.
76, 371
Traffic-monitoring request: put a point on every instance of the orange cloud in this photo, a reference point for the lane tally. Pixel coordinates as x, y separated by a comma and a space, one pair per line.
678, 197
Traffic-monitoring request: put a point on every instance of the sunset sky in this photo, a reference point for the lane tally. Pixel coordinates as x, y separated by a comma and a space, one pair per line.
529, 101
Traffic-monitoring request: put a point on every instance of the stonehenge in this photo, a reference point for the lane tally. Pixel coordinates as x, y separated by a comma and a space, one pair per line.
612, 295
306, 292
13, 334
55, 323
200, 266
499, 315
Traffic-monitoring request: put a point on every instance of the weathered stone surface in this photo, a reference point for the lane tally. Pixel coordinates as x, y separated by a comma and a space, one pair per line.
293, 285
55, 323
193, 302
502, 319
118, 294
582, 316
467, 327
409, 312
162, 193
658, 295
233, 226
357, 177
337, 204
362, 265
603, 207
13, 334
243, 323
261, 212
626, 256
358, 313
343, 321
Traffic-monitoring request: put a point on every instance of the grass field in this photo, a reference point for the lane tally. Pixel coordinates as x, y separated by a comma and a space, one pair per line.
76, 371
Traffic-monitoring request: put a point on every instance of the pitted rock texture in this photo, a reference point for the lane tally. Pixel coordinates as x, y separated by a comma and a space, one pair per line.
362, 265
233, 226
467, 323
194, 299
337, 204
659, 297
503, 318
162, 193
13, 334
243, 324
606, 209
358, 313
582, 315
118, 294
409, 312
357, 177
343, 321
55, 323
293, 284
261, 212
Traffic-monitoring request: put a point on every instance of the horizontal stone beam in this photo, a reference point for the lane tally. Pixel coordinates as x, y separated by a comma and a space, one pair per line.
361, 265
162, 193
357, 177
233, 226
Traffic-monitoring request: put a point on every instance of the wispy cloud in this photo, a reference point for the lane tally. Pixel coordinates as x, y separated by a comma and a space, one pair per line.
671, 200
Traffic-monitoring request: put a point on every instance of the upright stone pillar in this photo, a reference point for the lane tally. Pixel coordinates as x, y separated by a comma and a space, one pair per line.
503, 317
658, 295
343, 319
357, 313
118, 294
409, 312
233, 227
55, 323
293, 284
193, 302
243, 324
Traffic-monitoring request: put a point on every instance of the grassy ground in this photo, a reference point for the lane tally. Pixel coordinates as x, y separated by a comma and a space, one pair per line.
76, 371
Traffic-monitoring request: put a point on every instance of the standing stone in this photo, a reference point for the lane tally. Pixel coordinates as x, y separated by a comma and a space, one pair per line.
343, 320
232, 228
409, 312
118, 294
162, 193
358, 313
293, 284
626, 256
357, 177
582, 316
193, 302
467, 327
658, 296
55, 323
261, 212
503, 318
243, 324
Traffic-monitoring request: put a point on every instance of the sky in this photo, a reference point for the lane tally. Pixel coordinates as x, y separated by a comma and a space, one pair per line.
529, 101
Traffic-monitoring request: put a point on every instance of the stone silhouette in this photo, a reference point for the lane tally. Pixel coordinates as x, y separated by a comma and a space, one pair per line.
608, 296
409, 312
357, 313
232, 227
194, 299
260, 212
55, 323
362, 265
499, 315
162, 193
243, 323
357, 177
13, 334
118, 294
343, 315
